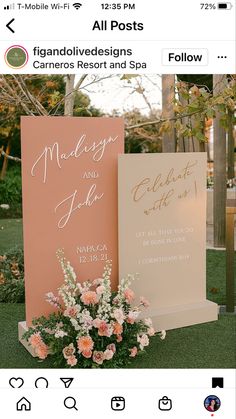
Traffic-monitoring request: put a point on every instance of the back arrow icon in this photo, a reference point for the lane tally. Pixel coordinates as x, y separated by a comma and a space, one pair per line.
8, 25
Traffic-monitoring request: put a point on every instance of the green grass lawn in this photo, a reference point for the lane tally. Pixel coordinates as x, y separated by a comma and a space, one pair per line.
209, 345
10, 234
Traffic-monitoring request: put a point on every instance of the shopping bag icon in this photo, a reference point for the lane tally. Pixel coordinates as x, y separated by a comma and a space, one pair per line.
165, 403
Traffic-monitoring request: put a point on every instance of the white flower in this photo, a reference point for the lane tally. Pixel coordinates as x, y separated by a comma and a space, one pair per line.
85, 320
148, 322
75, 324
118, 314
143, 341
60, 334
132, 316
52, 299
5, 206
100, 290
162, 334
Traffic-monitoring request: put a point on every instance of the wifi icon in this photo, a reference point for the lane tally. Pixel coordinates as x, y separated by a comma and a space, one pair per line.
77, 6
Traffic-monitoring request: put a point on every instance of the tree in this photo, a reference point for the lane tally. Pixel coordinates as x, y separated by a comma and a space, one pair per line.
36, 95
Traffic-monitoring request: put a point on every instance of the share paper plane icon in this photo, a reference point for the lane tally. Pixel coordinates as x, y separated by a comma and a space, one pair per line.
67, 381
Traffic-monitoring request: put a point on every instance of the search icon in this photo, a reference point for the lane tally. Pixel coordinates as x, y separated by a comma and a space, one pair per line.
70, 403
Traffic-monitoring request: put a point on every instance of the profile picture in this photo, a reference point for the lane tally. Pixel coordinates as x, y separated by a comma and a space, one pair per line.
212, 403
16, 57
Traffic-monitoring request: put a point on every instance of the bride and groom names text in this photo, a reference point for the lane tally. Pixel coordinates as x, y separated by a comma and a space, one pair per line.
52, 154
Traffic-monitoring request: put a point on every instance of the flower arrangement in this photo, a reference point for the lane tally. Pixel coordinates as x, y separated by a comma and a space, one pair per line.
91, 326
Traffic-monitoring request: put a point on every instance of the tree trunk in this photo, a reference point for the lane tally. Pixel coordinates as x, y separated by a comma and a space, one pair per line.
219, 207
69, 97
183, 141
168, 94
231, 173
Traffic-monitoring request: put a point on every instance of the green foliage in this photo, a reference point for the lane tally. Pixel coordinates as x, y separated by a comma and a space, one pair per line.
145, 139
120, 359
11, 193
47, 91
82, 106
194, 105
91, 327
204, 80
12, 288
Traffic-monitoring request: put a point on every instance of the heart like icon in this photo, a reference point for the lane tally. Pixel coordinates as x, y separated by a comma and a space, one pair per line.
16, 382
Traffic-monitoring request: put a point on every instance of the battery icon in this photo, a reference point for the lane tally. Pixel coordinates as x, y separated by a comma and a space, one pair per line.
225, 6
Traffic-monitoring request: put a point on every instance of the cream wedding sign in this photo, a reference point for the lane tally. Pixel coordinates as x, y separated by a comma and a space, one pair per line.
162, 235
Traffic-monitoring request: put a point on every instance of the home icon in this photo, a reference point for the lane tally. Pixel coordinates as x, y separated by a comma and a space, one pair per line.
23, 404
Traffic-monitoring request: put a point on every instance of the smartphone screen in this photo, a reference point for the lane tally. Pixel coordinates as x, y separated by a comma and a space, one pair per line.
117, 209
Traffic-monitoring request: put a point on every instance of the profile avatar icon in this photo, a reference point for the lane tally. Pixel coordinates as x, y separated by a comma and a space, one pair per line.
16, 56
212, 403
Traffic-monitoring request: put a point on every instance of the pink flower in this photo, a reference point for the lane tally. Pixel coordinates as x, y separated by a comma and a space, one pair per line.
108, 354
133, 352
85, 343
89, 298
49, 331
104, 329
52, 299
112, 347
100, 290
151, 331
119, 315
97, 281
117, 329
87, 354
97, 322
144, 302
132, 316
72, 361
71, 312
42, 351
35, 340
115, 300
129, 295
119, 338
143, 341
68, 351
98, 357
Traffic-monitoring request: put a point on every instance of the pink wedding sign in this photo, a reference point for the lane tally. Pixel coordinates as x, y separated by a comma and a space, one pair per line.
69, 177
